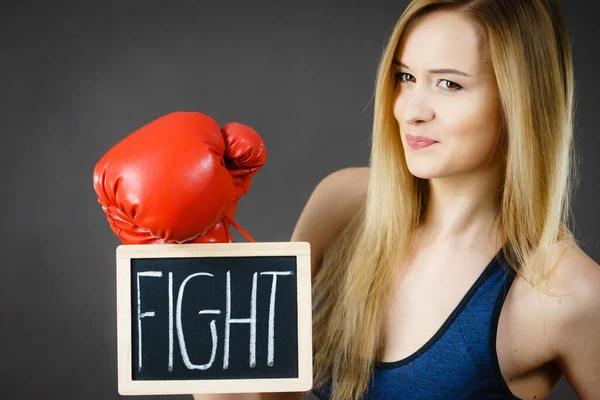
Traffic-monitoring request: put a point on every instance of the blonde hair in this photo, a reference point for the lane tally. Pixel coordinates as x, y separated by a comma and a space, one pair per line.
529, 48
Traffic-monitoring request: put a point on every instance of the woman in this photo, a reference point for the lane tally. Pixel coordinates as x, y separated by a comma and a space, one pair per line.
446, 271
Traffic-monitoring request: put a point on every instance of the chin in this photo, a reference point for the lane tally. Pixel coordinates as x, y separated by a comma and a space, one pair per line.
423, 173
436, 171
424, 169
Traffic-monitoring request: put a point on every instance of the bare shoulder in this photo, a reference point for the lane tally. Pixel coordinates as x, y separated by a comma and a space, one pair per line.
333, 202
577, 318
576, 278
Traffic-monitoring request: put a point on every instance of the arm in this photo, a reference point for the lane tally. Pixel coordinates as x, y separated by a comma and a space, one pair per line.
324, 216
330, 207
579, 327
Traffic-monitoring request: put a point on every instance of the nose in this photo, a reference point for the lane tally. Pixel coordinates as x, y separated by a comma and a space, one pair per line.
413, 107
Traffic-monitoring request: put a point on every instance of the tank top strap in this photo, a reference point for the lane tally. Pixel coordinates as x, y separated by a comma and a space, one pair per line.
479, 320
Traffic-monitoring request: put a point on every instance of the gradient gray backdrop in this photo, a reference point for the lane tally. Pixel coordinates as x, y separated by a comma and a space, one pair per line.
77, 78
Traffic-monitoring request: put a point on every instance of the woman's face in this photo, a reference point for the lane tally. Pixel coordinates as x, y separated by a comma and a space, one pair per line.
446, 103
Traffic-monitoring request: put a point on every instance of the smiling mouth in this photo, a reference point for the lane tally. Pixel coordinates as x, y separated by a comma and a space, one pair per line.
419, 142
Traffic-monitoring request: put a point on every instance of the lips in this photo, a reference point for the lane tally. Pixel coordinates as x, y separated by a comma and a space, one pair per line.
419, 142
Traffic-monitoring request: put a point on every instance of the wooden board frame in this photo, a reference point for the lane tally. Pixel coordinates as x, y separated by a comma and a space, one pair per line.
128, 386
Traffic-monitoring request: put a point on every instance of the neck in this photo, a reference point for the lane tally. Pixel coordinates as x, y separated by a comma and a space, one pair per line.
462, 209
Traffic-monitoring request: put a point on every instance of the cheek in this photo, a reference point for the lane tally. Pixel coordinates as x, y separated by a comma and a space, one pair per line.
474, 133
398, 104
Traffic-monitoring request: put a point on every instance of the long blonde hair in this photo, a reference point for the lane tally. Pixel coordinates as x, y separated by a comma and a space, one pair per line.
528, 44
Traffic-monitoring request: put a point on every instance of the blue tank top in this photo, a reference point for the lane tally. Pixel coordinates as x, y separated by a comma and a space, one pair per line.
459, 362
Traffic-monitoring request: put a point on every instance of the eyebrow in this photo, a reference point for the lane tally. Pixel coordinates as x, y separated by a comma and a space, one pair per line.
435, 71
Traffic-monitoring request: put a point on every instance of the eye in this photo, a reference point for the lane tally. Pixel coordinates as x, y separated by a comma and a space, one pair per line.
400, 76
451, 85
405, 77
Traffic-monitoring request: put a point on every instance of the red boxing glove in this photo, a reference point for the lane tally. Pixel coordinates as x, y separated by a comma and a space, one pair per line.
178, 179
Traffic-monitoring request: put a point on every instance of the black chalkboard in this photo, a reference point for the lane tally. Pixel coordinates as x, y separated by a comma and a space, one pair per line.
214, 318
211, 316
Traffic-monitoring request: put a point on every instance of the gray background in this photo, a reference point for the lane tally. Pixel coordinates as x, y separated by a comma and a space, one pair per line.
77, 78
